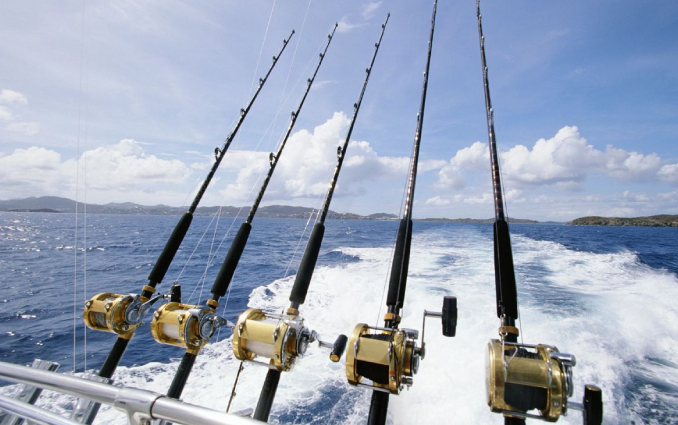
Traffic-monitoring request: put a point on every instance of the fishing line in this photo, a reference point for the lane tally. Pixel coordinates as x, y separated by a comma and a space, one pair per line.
289, 71
261, 51
310, 216
214, 235
256, 150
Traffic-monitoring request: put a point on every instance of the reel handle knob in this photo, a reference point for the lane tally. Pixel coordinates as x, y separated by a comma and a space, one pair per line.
338, 348
449, 316
593, 405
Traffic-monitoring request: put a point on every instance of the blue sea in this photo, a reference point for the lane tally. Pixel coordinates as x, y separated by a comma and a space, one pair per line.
605, 294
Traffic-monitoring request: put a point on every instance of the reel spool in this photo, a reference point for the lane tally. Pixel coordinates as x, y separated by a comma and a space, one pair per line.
522, 377
186, 326
281, 338
390, 357
116, 313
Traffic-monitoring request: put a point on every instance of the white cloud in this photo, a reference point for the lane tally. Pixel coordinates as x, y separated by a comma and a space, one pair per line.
5, 114
308, 162
437, 201
120, 167
370, 8
563, 161
451, 175
346, 26
27, 128
11, 96
669, 173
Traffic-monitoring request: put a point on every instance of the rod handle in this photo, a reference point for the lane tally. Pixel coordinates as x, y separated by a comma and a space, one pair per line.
307, 265
401, 261
230, 263
263, 410
184, 370
168, 252
505, 278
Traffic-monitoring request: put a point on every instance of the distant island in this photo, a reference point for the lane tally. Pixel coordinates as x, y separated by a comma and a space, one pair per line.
651, 221
55, 204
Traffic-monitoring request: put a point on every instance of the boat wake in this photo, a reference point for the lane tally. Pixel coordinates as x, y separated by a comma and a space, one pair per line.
611, 310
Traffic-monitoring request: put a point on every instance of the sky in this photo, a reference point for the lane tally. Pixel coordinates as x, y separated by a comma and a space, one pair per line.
126, 101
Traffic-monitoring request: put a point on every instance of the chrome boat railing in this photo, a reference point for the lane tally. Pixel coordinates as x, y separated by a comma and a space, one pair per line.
141, 406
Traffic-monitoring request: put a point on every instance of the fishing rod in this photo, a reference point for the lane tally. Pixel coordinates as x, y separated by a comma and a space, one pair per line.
522, 377
123, 314
282, 338
198, 323
388, 356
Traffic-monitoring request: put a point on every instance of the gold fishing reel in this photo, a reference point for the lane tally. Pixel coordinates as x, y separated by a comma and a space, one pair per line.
522, 377
186, 326
389, 357
280, 338
116, 313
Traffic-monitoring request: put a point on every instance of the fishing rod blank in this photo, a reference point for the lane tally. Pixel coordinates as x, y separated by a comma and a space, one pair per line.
282, 338
389, 357
206, 322
522, 377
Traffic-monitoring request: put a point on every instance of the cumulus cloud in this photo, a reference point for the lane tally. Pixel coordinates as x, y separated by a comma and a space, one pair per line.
563, 161
14, 98
308, 161
123, 166
369, 9
475, 157
11, 96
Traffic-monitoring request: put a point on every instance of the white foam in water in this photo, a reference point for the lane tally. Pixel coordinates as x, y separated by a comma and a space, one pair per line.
621, 313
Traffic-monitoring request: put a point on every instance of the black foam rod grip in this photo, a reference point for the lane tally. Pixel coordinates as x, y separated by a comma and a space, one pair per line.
378, 408
113, 358
505, 278
267, 395
338, 348
449, 316
179, 381
171, 248
593, 405
401, 261
231, 261
307, 265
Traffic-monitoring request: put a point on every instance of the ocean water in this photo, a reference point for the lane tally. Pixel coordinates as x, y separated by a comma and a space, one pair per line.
606, 295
